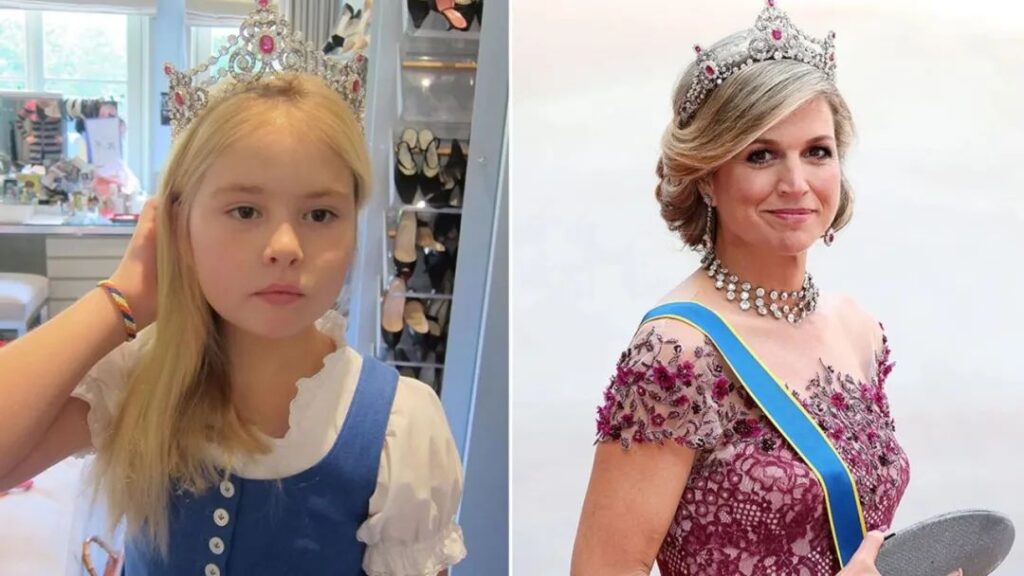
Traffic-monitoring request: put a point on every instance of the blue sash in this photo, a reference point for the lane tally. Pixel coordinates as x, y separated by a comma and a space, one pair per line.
790, 419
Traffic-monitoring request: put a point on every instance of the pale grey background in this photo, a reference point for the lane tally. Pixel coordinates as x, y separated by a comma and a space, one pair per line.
933, 249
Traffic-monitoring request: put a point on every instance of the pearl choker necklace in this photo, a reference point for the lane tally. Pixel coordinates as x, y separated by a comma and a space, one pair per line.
793, 306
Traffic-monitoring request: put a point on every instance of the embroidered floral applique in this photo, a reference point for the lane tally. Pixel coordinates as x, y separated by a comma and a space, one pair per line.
751, 506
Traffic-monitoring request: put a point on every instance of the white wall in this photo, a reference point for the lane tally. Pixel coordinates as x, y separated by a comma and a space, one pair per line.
936, 92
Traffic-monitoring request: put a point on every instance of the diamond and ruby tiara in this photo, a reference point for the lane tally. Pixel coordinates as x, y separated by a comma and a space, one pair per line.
266, 45
773, 37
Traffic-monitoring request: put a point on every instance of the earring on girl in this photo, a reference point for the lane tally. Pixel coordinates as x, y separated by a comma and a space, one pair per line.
830, 236
709, 225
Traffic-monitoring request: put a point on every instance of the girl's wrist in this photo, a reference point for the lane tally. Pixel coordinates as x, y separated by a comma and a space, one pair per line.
120, 304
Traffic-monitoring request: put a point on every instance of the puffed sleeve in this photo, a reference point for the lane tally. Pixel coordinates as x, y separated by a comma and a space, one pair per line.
103, 388
411, 529
668, 385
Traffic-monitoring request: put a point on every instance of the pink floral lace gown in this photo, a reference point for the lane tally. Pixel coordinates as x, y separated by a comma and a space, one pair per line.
751, 507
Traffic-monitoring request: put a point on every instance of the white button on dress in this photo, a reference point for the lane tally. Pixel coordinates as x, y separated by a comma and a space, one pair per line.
227, 489
216, 545
221, 517
212, 570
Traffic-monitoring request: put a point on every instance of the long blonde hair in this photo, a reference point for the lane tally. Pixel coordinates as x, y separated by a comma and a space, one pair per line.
177, 402
732, 117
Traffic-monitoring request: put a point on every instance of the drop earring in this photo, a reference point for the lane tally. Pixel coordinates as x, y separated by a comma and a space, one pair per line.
830, 236
709, 226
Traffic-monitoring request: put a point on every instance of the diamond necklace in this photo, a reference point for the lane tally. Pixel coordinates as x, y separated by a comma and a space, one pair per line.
793, 306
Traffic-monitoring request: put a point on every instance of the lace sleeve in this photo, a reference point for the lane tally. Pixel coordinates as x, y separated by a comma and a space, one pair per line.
668, 385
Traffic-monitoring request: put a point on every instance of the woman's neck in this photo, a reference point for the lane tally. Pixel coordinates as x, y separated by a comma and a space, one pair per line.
772, 271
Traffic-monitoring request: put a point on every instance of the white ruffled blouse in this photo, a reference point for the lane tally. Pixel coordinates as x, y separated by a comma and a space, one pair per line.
411, 529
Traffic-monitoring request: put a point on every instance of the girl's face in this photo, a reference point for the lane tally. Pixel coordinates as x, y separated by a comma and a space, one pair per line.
275, 208
782, 191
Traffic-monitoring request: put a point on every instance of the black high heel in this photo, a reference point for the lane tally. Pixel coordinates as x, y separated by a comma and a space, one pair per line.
439, 268
457, 163
392, 322
430, 174
406, 174
446, 228
468, 10
433, 337
442, 198
405, 254
416, 320
418, 11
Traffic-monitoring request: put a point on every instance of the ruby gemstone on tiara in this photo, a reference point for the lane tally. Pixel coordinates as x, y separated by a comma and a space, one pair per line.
266, 44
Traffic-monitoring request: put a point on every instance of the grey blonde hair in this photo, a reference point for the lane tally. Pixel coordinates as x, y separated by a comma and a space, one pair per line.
732, 117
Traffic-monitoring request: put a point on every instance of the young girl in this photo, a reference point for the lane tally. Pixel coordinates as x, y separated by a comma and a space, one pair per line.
238, 433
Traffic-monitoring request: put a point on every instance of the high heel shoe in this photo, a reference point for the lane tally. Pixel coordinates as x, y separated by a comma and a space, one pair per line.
430, 174
438, 265
425, 237
406, 174
437, 313
418, 11
405, 254
416, 320
442, 198
468, 10
454, 18
433, 337
457, 163
446, 227
411, 137
392, 322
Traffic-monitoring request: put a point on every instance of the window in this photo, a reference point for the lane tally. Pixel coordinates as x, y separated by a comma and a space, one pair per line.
207, 41
86, 55
13, 75
81, 55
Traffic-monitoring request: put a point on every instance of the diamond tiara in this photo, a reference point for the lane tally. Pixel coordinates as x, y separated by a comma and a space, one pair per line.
266, 45
773, 37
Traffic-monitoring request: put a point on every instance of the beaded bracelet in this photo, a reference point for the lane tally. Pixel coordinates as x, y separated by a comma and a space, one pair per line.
122, 306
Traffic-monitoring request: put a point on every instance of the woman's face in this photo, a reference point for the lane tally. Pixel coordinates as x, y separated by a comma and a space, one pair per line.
781, 193
274, 208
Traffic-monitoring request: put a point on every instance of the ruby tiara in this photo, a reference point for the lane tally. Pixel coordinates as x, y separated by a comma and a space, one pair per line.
773, 37
266, 45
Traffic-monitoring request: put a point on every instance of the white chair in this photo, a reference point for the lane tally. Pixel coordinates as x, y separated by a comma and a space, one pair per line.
23, 301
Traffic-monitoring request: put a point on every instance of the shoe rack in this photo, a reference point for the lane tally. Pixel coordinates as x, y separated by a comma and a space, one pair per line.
436, 135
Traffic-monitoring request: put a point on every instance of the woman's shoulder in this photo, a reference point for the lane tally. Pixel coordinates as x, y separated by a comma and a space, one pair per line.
670, 329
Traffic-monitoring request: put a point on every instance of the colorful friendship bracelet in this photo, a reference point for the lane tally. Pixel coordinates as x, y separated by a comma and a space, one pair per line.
122, 306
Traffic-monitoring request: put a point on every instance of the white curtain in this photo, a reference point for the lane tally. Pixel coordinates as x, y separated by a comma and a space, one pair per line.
144, 7
219, 12
314, 18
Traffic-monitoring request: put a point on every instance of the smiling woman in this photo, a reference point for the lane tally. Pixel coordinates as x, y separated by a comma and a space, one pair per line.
749, 405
